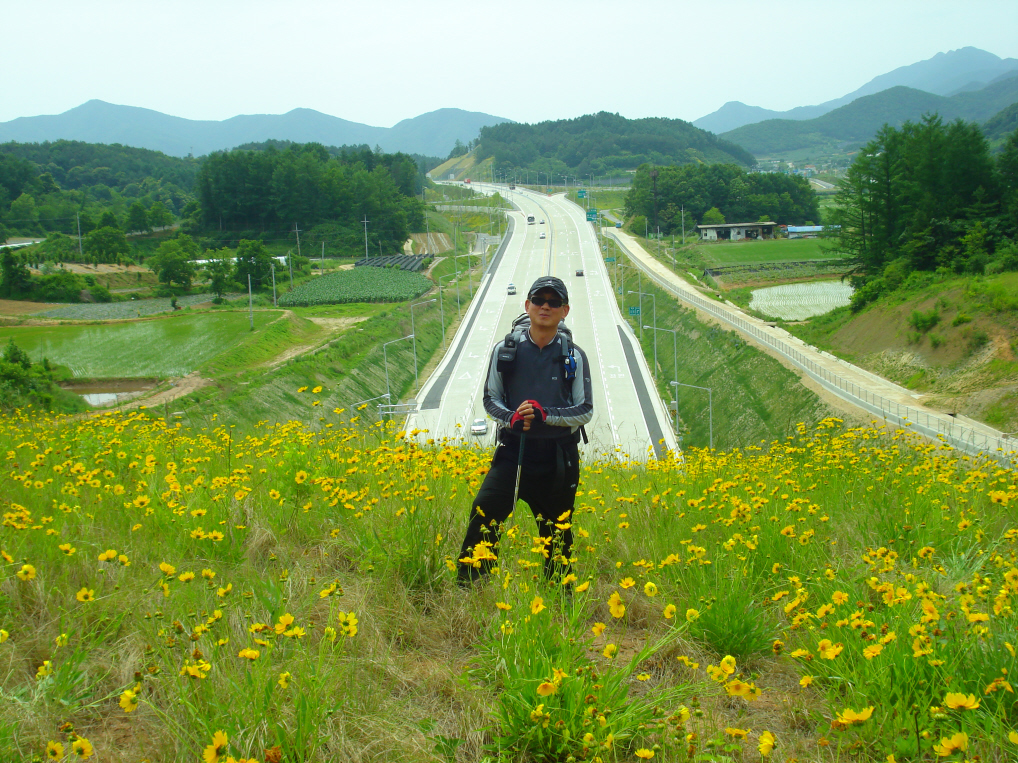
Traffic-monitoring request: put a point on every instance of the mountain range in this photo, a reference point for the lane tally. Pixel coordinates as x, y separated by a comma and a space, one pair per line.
946, 74
860, 120
431, 134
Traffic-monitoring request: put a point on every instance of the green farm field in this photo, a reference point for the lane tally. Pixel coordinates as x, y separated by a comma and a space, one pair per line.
738, 252
172, 346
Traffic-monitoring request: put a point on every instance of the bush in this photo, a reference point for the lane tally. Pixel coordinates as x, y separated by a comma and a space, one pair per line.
936, 340
100, 293
977, 340
961, 318
866, 293
924, 321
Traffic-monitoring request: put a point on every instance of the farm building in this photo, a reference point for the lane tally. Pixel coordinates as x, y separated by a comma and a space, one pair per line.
736, 231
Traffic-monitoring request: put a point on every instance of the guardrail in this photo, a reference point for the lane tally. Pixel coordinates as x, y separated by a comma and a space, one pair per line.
1000, 447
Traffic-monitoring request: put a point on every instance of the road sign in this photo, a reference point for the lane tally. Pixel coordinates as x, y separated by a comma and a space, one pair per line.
591, 215
609, 259
581, 194
604, 249
634, 310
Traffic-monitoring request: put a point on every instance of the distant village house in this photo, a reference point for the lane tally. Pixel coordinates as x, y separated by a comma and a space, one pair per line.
736, 231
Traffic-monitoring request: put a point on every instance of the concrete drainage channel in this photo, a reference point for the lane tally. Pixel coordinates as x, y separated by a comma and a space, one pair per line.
103, 393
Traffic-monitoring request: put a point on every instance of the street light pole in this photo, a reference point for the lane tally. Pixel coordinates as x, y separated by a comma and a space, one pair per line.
413, 329
385, 360
710, 403
653, 297
675, 366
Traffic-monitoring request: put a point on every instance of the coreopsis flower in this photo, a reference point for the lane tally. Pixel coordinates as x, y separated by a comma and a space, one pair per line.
644, 754
627, 583
167, 569
805, 681
650, 589
669, 612
735, 733
829, 650
583, 586
26, 573
610, 650
82, 748
108, 555
615, 605
598, 628
213, 751
301, 477
248, 654
85, 594
958, 701
537, 605
839, 598
4, 635
949, 745
54, 751
848, 716
546, 688
129, 700
692, 614
284, 680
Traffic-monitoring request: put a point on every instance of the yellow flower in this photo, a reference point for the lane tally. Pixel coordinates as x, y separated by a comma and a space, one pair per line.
583, 586
26, 573
872, 651
650, 589
546, 689
301, 477
85, 594
218, 746
317, 389
737, 688
736, 733
4, 635
958, 701
82, 748
248, 654
767, 742
829, 650
185, 577
537, 605
839, 598
274, 494
167, 569
805, 681
1012, 737
692, 614
627, 583
54, 751
129, 701
950, 745
644, 753
848, 716
610, 650
284, 680
615, 605
669, 612
61, 640
598, 628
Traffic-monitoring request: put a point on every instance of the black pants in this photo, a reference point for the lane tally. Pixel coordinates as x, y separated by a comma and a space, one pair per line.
551, 471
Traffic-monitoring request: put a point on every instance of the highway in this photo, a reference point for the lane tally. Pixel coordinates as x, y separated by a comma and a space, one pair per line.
630, 421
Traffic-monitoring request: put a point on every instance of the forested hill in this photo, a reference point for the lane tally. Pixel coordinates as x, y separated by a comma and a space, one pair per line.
74, 164
604, 143
860, 120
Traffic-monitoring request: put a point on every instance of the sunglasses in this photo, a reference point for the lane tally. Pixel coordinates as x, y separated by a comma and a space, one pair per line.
549, 301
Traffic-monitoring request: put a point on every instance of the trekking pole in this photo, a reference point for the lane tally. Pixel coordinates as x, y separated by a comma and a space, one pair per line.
519, 469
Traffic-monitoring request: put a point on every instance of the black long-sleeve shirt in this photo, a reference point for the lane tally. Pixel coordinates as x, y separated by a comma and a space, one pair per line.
538, 375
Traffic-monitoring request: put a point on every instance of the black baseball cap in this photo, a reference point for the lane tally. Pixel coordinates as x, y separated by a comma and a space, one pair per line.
552, 283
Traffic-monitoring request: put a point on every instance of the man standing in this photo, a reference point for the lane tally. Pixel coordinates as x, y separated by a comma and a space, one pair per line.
538, 388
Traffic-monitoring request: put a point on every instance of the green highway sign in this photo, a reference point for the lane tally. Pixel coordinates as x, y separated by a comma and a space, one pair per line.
635, 310
591, 215
609, 259
581, 194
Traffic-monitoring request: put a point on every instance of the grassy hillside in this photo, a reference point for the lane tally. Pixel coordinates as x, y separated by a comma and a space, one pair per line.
859, 121
952, 339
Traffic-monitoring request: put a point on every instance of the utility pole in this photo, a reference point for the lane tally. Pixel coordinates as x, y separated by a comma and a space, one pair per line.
683, 210
81, 254
365, 221
274, 283
250, 302
322, 268
298, 238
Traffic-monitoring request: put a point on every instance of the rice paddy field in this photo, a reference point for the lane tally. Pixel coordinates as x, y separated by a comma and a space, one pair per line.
171, 346
136, 308
800, 301
285, 592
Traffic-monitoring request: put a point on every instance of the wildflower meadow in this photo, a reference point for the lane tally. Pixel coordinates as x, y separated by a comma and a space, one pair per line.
285, 592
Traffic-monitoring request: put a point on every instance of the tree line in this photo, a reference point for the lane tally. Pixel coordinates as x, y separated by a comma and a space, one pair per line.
925, 196
328, 195
603, 143
716, 193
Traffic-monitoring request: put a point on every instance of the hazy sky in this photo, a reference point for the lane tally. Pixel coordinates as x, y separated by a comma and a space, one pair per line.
380, 61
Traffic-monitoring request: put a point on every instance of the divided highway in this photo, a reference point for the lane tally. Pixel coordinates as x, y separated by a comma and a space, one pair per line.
630, 421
